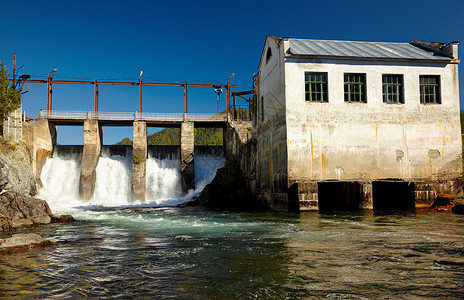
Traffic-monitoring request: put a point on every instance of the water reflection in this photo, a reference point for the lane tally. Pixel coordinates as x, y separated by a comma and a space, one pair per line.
367, 255
196, 254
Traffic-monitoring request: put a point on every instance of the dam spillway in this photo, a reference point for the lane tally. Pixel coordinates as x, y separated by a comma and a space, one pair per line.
60, 176
41, 138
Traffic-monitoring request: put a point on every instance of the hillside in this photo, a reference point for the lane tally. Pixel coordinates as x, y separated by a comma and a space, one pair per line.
171, 136
203, 136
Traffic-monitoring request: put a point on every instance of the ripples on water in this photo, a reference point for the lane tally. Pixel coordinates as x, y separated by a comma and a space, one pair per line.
171, 253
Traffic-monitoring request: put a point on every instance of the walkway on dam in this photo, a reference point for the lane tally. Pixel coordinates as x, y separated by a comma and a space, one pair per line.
41, 135
77, 118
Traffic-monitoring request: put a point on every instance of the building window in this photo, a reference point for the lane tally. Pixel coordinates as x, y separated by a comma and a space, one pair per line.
355, 87
429, 89
316, 87
392, 88
268, 54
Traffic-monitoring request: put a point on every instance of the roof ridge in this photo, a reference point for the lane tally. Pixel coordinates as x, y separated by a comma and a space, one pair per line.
360, 42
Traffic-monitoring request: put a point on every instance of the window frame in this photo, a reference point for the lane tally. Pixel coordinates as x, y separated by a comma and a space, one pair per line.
349, 88
397, 86
316, 87
435, 86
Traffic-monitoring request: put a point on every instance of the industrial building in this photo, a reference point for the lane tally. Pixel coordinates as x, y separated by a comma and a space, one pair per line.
356, 125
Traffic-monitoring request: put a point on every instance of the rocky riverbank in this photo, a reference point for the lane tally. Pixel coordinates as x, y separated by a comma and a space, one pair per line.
18, 207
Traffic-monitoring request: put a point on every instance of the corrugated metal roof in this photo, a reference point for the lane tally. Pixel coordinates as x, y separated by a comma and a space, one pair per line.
374, 50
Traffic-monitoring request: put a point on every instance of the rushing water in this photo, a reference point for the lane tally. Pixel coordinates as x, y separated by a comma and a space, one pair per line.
179, 253
118, 250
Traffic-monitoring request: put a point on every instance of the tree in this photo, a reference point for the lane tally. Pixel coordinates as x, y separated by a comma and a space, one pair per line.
10, 97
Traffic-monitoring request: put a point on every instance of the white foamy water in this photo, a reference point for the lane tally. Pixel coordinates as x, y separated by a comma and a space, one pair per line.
113, 181
60, 178
163, 180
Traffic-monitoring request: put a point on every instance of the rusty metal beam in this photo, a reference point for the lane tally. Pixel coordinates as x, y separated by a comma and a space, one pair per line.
95, 104
247, 100
243, 93
128, 83
185, 97
140, 98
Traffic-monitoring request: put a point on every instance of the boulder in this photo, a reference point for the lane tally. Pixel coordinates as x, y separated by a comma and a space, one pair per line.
17, 210
15, 170
228, 191
4, 174
20, 241
62, 219
458, 209
442, 200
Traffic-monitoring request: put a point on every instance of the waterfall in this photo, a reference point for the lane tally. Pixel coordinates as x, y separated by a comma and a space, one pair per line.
60, 177
163, 180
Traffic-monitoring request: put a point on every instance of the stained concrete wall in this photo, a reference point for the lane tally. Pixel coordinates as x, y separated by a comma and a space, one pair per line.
187, 142
12, 125
375, 140
360, 142
39, 137
269, 130
139, 161
90, 155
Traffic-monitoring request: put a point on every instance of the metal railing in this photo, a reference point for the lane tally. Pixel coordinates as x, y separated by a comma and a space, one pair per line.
128, 116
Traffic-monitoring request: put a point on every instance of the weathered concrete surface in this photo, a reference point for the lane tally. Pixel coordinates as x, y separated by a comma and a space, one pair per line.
24, 240
90, 155
139, 161
270, 130
39, 137
305, 142
187, 142
234, 186
12, 126
17, 210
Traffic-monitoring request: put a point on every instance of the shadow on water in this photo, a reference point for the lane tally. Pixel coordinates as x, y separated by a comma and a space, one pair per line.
191, 253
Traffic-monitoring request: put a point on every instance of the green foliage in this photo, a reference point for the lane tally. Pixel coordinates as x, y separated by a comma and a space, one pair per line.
208, 137
167, 136
242, 114
7, 145
171, 136
137, 158
126, 141
10, 98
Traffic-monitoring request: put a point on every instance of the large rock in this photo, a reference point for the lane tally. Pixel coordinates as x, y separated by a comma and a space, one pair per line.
17, 210
15, 170
20, 241
228, 191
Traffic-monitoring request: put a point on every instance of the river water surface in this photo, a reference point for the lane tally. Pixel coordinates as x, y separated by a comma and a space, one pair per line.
119, 249
184, 253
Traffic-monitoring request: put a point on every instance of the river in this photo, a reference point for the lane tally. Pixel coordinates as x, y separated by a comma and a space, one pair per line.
185, 253
151, 251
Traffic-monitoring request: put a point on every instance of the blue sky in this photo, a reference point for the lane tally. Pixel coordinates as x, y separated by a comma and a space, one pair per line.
193, 41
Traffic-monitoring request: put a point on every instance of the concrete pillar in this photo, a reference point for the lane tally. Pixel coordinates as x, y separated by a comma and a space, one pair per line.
40, 137
139, 161
187, 140
90, 155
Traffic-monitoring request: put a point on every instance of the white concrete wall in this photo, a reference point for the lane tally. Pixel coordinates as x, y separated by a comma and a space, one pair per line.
373, 140
270, 130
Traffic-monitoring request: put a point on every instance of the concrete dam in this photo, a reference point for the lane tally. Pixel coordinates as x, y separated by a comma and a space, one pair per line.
175, 171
